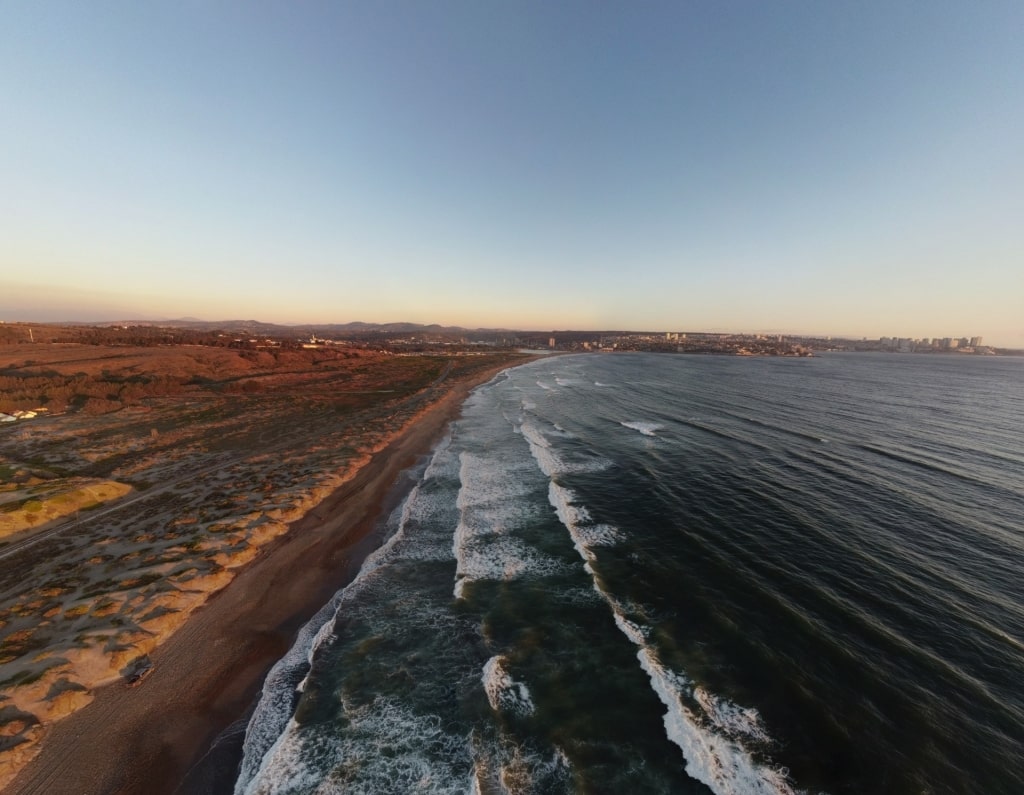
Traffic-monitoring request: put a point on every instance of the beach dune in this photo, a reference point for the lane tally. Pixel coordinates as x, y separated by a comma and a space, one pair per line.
144, 737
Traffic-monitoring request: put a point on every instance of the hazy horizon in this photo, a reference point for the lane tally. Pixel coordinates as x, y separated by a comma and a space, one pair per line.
128, 318
851, 170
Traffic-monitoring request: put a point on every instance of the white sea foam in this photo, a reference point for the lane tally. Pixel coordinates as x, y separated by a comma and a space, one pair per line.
488, 481
716, 759
385, 748
646, 428
503, 765
493, 503
270, 728
273, 712
525, 773
500, 558
573, 516
709, 732
441, 460
549, 461
268, 732
380, 556
600, 535
548, 387
534, 435
504, 693
635, 632
731, 718
423, 505
285, 768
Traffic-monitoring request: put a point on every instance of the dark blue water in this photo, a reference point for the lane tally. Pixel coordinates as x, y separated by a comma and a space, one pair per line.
671, 574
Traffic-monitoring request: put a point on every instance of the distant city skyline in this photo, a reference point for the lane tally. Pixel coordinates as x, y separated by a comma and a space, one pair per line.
938, 342
837, 169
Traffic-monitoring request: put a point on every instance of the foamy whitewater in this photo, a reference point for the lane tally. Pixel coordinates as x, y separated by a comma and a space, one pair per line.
674, 574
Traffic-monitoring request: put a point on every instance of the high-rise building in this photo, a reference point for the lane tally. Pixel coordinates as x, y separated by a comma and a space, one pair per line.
976, 342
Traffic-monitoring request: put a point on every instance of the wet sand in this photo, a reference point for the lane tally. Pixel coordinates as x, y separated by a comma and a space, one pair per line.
146, 738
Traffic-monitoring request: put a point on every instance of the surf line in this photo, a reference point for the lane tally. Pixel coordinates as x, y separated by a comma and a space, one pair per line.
717, 760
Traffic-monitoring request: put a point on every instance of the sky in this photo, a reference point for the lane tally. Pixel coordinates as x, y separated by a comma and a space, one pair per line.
844, 168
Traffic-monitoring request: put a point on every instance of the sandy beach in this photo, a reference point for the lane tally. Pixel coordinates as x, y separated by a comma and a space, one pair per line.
146, 738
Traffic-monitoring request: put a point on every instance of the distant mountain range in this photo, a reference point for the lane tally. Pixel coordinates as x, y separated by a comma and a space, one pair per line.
302, 329
257, 328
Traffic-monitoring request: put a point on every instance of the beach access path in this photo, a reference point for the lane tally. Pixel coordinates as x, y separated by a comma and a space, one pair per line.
146, 738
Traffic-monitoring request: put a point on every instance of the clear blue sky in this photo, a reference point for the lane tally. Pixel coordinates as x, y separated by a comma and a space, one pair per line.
823, 167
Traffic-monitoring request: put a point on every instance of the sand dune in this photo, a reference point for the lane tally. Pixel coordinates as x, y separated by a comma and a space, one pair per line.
208, 603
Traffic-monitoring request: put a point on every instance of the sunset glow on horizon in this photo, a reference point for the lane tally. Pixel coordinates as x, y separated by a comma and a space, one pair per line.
844, 169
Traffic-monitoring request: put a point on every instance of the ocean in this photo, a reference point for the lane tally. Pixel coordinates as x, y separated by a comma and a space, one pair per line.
646, 573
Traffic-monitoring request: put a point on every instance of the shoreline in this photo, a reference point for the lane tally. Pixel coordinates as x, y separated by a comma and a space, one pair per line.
209, 673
